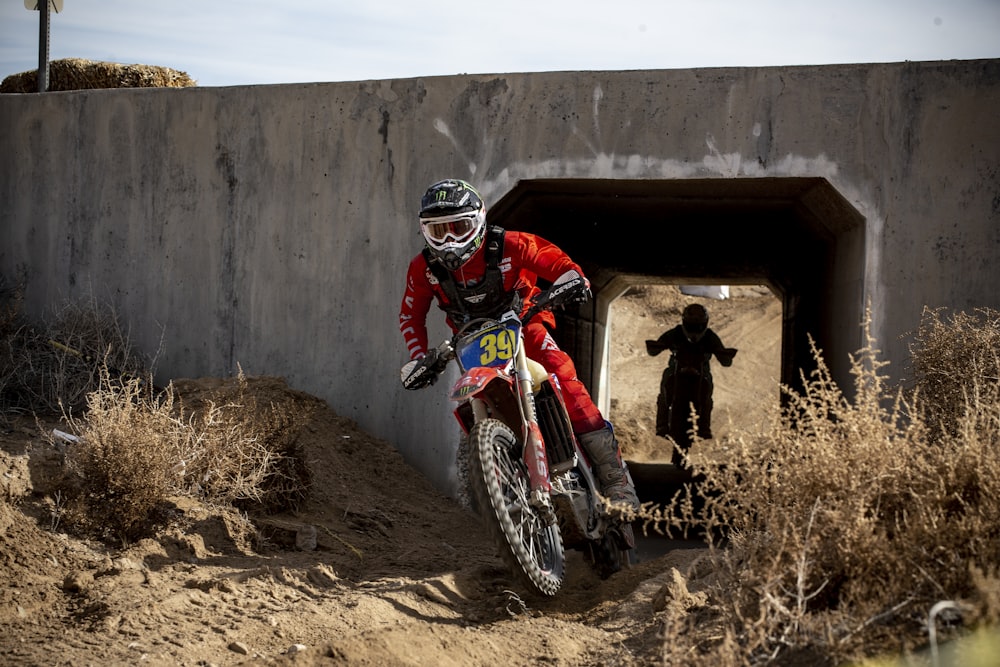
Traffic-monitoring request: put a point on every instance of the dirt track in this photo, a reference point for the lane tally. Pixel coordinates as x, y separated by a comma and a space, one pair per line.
401, 574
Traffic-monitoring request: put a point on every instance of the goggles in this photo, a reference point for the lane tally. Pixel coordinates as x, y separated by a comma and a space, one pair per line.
695, 327
450, 228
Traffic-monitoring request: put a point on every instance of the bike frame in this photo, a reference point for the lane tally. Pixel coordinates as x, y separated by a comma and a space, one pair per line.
688, 386
489, 391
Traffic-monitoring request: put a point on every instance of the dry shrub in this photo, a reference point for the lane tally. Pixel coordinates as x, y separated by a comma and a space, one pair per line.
81, 74
137, 449
52, 365
845, 522
11, 324
60, 361
955, 362
125, 464
247, 449
11, 306
237, 445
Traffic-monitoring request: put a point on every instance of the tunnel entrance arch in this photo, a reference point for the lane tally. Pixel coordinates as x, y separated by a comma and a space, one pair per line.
798, 236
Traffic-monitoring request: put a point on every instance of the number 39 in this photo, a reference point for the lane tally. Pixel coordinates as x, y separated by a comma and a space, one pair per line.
496, 346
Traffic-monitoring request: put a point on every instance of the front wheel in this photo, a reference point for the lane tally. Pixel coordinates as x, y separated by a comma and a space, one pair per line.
501, 489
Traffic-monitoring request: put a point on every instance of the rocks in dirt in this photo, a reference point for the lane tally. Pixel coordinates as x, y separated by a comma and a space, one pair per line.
305, 538
371, 522
289, 534
78, 582
239, 647
243, 649
322, 575
674, 595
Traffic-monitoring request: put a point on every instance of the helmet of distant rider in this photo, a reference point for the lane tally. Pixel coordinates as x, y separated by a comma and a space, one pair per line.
694, 321
453, 221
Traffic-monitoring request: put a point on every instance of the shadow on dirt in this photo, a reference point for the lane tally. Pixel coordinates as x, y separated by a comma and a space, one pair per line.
659, 483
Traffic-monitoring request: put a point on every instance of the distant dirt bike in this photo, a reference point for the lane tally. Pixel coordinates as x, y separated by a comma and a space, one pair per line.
531, 481
688, 389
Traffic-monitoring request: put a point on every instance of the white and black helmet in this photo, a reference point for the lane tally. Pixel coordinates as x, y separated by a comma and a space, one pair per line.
453, 221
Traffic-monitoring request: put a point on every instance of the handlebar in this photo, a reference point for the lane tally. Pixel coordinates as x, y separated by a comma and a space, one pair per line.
570, 287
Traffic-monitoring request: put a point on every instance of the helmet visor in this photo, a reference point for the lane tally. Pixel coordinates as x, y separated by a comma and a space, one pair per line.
695, 327
451, 229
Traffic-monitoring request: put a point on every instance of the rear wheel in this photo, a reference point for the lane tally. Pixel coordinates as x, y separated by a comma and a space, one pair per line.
686, 396
501, 488
612, 553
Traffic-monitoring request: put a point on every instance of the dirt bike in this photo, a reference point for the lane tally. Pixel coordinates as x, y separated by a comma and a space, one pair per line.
530, 479
688, 388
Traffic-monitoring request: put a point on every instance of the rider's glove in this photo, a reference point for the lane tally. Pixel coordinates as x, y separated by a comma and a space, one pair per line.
654, 347
420, 373
579, 296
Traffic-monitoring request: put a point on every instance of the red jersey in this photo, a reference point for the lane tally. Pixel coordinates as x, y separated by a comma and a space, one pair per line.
525, 258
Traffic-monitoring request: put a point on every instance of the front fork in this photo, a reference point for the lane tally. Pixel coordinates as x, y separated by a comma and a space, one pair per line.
534, 446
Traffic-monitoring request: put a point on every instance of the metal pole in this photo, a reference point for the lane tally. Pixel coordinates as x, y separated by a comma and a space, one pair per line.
43, 45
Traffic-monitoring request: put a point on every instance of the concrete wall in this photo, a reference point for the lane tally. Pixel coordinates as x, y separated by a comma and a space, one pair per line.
270, 226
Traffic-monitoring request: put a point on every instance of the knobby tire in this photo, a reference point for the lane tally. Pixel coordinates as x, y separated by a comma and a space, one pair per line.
501, 488
608, 555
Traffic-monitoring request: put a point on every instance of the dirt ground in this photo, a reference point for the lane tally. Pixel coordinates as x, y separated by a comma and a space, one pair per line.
399, 575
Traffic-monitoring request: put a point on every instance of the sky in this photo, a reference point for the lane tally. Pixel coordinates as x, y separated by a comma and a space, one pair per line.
225, 43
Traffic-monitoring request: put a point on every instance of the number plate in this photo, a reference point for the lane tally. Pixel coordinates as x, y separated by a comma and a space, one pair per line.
493, 346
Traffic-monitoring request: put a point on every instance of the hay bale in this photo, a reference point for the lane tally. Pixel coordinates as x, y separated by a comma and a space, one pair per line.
80, 74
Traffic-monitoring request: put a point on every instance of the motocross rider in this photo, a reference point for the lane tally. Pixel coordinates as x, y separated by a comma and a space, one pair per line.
477, 270
692, 344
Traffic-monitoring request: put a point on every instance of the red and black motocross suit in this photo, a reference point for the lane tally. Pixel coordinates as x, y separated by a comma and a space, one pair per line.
500, 274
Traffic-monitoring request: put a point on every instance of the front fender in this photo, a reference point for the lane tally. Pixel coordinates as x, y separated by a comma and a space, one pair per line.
475, 381
494, 388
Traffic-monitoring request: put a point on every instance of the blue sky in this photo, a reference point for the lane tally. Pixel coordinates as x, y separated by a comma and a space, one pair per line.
224, 43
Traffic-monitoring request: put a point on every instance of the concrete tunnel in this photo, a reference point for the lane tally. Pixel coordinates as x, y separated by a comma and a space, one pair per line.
798, 236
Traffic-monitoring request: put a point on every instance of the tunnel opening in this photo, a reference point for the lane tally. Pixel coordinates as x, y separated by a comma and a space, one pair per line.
799, 237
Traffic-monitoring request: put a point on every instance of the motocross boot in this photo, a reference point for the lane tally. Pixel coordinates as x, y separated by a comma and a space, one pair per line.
616, 485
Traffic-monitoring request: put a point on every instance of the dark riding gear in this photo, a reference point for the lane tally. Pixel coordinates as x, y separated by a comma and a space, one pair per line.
694, 321
692, 345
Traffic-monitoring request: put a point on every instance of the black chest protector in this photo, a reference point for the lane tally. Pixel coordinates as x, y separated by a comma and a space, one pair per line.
690, 357
487, 298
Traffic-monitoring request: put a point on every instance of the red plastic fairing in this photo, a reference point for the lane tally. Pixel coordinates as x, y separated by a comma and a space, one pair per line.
535, 459
474, 381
